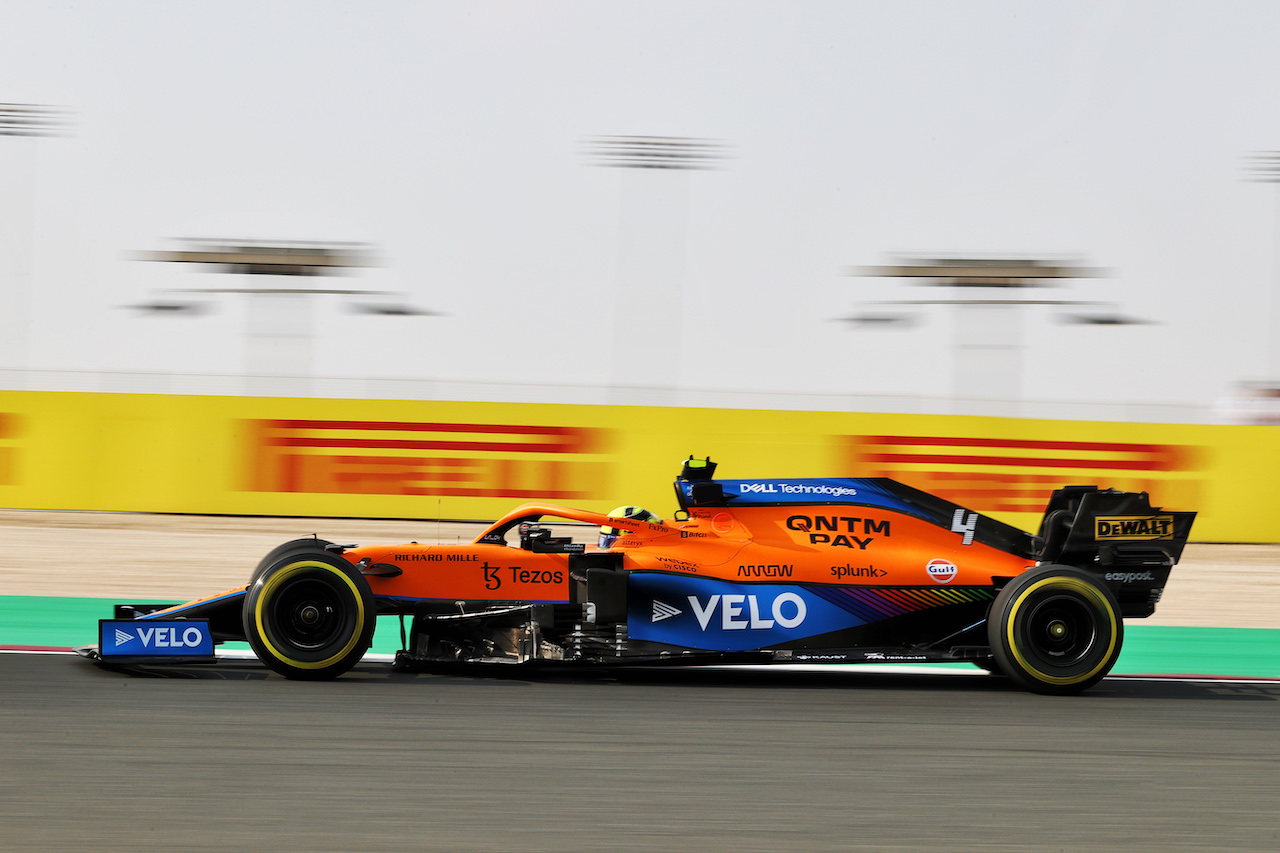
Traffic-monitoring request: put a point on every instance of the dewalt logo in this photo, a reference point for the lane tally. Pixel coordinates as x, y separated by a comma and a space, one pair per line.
1133, 527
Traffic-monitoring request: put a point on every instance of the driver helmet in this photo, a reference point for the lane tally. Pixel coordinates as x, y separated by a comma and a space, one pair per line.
609, 534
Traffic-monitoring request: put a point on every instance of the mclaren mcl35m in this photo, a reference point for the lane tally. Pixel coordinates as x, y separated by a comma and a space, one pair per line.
841, 570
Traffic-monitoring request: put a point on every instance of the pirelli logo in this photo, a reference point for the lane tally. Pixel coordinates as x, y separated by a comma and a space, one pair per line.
1017, 475
1133, 527
425, 458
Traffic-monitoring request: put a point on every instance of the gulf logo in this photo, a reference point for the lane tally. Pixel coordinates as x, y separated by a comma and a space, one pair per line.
941, 570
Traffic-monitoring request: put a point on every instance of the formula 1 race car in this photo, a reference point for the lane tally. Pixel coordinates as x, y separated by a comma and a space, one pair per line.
747, 571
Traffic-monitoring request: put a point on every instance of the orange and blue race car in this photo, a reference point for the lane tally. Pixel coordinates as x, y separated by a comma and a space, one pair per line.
840, 570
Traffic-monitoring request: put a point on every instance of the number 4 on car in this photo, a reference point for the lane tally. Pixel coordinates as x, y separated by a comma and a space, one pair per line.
762, 571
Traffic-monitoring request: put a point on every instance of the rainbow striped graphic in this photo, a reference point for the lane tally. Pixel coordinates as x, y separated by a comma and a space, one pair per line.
871, 604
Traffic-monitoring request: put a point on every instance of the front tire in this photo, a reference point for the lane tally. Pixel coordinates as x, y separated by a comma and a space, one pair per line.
309, 616
1055, 629
288, 549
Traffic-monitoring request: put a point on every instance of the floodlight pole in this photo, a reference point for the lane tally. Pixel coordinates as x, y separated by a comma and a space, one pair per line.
651, 255
279, 332
18, 121
1264, 167
988, 337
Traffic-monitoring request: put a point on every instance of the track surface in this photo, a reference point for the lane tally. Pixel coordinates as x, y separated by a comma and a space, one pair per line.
234, 758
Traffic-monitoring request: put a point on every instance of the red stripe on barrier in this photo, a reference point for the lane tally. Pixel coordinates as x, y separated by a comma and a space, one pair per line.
1019, 461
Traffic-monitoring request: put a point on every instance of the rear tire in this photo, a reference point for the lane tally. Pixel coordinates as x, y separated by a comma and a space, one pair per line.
309, 616
1055, 629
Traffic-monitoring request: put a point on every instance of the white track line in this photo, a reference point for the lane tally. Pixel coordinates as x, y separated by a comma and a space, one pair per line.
913, 669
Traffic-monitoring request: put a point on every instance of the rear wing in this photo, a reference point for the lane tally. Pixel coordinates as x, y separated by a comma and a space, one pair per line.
1119, 536
1084, 524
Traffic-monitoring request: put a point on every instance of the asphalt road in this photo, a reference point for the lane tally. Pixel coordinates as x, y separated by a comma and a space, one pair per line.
237, 759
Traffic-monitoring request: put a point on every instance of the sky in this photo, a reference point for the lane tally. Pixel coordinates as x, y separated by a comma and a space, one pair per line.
457, 140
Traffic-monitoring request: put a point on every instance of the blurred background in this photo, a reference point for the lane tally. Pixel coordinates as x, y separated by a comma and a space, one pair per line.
478, 154
998, 209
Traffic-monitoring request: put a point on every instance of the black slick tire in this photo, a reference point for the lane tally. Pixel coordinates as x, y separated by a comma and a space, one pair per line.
309, 616
1055, 629
288, 549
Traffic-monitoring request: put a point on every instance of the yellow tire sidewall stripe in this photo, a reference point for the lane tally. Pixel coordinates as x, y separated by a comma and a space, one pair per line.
277, 578
1078, 585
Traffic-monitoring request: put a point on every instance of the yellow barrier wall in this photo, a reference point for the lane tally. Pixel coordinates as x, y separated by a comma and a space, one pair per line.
416, 459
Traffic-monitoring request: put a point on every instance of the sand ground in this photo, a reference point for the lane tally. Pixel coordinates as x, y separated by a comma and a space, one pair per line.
139, 556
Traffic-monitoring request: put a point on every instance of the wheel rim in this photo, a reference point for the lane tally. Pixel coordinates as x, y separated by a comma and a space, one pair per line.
309, 615
1062, 631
